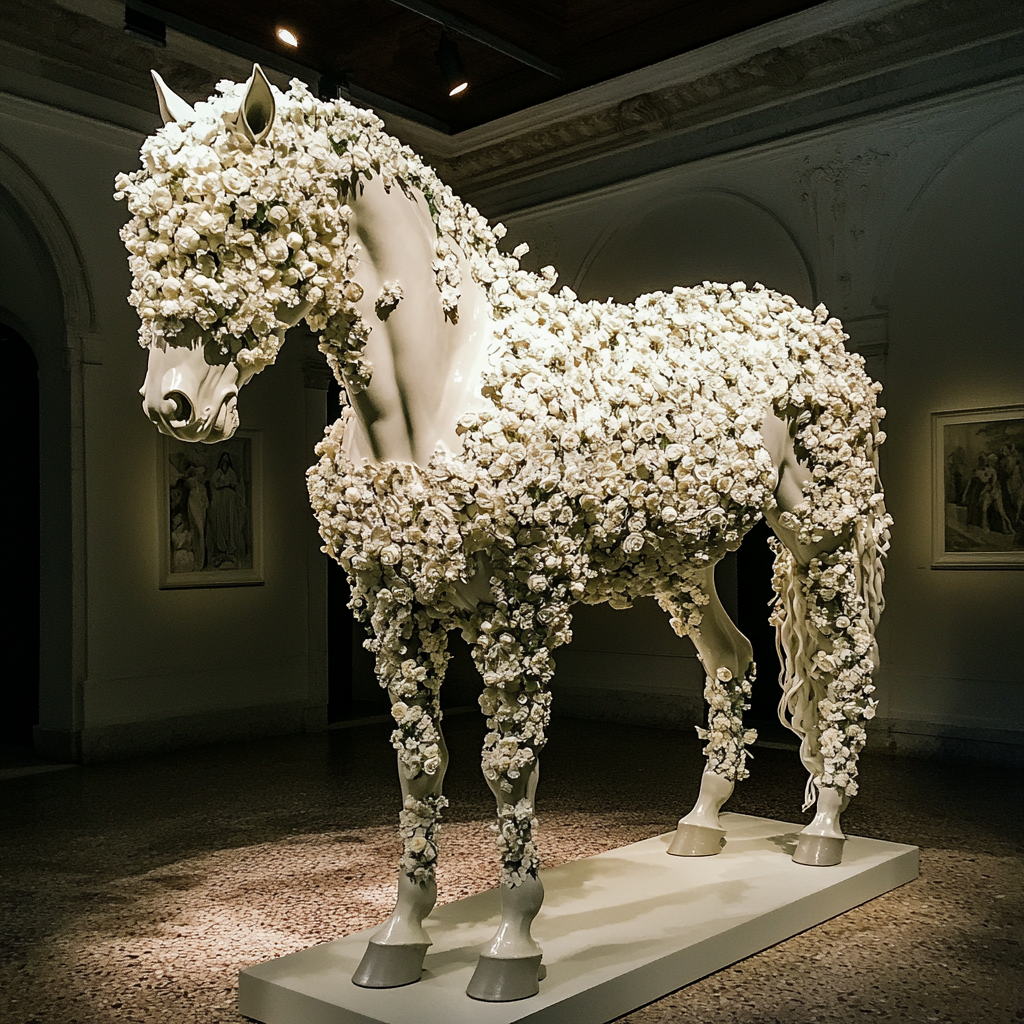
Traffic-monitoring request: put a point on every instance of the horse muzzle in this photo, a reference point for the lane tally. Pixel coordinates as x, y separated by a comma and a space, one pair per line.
188, 398
176, 415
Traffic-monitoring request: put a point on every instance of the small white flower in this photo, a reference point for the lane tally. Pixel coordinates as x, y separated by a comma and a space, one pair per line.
633, 543
234, 181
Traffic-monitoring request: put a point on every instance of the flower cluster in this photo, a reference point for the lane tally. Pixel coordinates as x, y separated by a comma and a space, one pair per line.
418, 824
727, 698
514, 831
416, 739
843, 662
387, 299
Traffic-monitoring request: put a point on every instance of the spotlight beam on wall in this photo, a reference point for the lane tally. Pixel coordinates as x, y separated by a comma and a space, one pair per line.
466, 28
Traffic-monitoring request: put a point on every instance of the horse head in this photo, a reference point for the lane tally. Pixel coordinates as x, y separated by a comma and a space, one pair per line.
257, 208
213, 290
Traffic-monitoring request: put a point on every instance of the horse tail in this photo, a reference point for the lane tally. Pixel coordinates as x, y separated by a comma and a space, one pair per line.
805, 681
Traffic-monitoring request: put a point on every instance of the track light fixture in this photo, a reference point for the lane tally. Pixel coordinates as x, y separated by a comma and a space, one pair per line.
450, 63
287, 36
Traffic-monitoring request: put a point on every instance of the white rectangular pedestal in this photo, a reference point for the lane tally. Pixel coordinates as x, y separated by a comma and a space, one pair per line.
618, 930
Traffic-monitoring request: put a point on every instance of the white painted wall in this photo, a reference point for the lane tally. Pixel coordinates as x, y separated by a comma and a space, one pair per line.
911, 228
907, 225
154, 667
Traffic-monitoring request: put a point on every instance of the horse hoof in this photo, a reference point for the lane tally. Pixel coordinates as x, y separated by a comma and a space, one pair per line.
818, 851
696, 841
502, 981
390, 966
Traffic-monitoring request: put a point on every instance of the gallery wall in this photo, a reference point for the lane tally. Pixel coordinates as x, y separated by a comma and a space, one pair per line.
910, 227
906, 223
131, 666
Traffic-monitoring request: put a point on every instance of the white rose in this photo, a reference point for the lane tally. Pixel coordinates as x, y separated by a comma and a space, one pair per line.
161, 199
186, 239
277, 250
235, 181
633, 543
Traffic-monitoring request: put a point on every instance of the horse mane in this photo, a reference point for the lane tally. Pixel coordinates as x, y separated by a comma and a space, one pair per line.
228, 233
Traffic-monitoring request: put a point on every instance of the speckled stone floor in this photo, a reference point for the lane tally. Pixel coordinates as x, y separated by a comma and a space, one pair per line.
135, 891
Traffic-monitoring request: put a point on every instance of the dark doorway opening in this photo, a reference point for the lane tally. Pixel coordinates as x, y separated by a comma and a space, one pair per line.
20, 686
754, 569
341, 627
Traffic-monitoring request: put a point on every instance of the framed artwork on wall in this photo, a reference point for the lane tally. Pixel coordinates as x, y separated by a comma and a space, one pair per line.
978, 488
211, 512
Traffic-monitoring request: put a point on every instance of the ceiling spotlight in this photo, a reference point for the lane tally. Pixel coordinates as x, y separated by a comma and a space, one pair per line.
450, 63
287, 37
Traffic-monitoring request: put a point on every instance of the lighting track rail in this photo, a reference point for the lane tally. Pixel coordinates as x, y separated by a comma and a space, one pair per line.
462, 27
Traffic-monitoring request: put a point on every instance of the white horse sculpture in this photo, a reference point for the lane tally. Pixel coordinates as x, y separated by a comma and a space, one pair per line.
509, 452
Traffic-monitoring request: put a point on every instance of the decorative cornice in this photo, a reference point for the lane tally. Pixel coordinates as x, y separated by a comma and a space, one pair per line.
897, 53
834, 61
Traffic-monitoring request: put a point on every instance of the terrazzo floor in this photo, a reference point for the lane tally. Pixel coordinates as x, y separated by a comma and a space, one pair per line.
135, 891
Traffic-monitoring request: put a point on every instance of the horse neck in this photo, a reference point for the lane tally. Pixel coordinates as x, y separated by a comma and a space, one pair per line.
426, 368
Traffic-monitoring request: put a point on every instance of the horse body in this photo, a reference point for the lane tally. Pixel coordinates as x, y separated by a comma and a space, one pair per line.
509, 452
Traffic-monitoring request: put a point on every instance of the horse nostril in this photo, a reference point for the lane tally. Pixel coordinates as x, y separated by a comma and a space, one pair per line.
181, 411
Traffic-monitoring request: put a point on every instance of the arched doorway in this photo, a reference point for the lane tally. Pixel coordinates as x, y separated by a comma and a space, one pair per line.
19, 691
46, 301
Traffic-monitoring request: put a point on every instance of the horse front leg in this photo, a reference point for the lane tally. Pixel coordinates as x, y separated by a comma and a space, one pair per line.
509, 966
727, 657
394, 954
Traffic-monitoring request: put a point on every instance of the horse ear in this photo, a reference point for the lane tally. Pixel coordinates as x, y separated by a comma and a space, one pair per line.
256, 116
172, 106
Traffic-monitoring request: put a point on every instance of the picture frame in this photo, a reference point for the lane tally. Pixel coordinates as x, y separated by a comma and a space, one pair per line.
978, 488
211, 512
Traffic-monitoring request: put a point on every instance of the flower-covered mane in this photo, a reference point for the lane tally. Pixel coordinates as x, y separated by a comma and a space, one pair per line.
228, 233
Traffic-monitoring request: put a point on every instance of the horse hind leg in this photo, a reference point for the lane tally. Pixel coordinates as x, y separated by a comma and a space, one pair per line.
395, 952
827, 678
727, 657
806, 685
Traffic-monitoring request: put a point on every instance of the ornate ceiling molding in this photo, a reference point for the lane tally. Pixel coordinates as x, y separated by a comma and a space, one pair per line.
835, 61
745, 90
